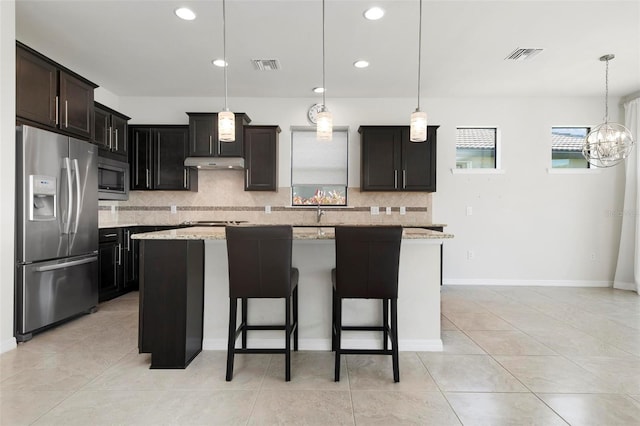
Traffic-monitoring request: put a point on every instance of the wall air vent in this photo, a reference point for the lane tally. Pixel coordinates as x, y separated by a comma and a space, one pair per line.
522, 54
266, 64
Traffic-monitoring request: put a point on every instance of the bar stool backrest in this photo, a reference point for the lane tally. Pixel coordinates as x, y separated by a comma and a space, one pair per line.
367, 261
259, 261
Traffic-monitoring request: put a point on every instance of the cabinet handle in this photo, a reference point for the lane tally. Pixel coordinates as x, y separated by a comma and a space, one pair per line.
66, 114
219, 148
147, 178
395, 179
110, 235
404, 179
110, 138
116, 139
119, 254
57, 112
210, 144
185, 178
128, 237
247, 177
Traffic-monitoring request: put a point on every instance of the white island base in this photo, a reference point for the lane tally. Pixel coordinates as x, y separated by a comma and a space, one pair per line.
418, 300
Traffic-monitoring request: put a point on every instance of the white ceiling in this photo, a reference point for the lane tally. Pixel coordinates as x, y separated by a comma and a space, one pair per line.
140, 48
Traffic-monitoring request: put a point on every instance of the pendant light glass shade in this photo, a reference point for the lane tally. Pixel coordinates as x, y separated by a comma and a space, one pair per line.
324, 130
607, 144
226, 126
418, 131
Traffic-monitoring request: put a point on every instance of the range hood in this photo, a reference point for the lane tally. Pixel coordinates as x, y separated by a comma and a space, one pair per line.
215, 163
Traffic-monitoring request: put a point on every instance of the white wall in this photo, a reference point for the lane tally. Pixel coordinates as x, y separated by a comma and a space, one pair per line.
7, 165
528, 226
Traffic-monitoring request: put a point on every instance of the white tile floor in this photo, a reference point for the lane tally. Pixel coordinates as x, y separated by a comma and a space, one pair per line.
513, 356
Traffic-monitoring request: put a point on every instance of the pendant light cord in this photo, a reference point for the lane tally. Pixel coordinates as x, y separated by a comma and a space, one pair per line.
224, 51
606, 92
419, 52
324, 87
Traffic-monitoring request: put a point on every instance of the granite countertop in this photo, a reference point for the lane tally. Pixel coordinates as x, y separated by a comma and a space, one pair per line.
323, 224
299, 233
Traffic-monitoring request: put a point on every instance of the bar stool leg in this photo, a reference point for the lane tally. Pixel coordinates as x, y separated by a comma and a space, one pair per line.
245, 313
385, 323
287, 331
295, 318
394, 332
333, 319
231, 343
338, 330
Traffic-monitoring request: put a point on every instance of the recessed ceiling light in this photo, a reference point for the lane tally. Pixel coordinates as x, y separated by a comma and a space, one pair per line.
318, 90
219, 63
185, 13
361, 64
374, 13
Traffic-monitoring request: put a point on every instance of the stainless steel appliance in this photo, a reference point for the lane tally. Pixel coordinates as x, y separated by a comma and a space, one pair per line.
113, 179
56, 229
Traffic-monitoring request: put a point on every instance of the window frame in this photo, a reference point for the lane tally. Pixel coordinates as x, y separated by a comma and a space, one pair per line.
569, 169
497, 166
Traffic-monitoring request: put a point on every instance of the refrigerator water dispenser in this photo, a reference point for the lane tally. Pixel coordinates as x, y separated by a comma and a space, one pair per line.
43, 195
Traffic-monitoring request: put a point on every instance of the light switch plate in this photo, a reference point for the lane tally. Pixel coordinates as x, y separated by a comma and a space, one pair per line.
174, 209
375, 210
388, 210
403, 210
267, 209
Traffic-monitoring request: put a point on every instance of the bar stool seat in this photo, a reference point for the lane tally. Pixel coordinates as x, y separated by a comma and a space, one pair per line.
367, 265
260, 267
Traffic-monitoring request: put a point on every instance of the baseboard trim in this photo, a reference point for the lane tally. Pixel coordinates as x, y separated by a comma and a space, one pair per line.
527, 283
8, 345
415, 345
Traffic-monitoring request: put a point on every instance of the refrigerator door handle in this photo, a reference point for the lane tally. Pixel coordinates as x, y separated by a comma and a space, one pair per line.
78, 200
67, 165
66, 264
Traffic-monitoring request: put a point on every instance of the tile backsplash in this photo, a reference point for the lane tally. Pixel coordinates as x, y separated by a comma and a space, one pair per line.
221, 196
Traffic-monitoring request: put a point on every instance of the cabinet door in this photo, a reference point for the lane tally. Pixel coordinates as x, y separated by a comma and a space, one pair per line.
261, 158
170, 150
101, 128
119, 144
140, 158
129, 266
235, 148
36, 88
203, 135
419, 162
380, 168
76, 105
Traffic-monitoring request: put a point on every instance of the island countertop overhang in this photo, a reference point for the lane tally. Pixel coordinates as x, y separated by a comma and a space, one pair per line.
299, 233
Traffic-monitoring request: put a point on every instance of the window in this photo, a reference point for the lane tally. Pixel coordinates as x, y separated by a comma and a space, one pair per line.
318, 169
476, 147
566, 147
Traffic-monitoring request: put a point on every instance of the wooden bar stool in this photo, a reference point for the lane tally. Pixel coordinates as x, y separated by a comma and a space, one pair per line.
260, 267
367, 264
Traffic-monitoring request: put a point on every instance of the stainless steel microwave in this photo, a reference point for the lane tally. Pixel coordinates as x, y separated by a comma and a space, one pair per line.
113, 179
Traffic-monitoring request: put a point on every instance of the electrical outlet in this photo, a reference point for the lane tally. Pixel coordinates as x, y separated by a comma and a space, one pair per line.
388, 210
469, 211
593, 256
113, 209
470, 254
174, 209
267, 209
375, 210
403, 210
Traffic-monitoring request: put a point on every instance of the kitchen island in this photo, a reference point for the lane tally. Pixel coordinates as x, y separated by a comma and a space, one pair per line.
184, 302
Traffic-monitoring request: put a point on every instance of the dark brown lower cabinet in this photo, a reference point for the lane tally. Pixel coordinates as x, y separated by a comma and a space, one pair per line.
111, 267
171, 301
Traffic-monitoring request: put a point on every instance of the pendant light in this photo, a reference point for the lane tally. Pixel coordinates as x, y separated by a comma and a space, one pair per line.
607, 144
324, 127
226, 119
418, 132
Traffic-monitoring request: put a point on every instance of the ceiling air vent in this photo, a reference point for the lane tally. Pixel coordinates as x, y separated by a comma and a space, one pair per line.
266, 64
522, 54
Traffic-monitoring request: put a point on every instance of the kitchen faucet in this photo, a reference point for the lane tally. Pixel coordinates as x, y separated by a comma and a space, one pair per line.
319, 214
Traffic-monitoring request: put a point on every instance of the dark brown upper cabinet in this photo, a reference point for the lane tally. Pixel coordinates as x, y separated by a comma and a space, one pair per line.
51, 95
157, 156
261, 158
203, 136
391, 162
110, 130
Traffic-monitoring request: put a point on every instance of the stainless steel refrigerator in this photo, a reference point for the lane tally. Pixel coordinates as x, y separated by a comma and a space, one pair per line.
56, 229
